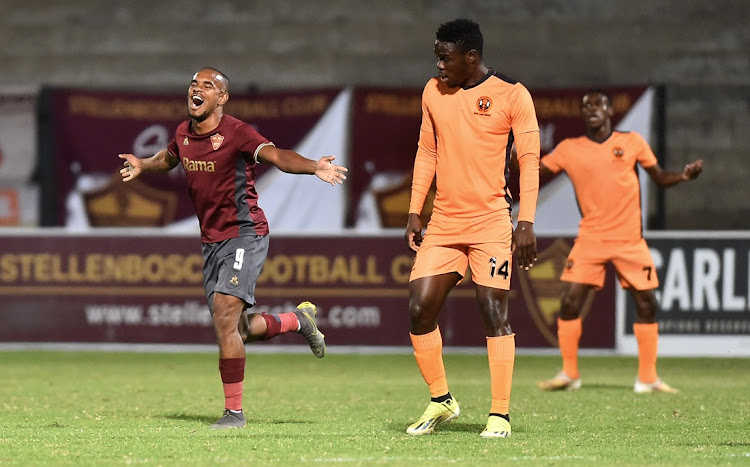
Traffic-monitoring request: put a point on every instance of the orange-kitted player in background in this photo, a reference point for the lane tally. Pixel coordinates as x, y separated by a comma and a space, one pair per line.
602, 167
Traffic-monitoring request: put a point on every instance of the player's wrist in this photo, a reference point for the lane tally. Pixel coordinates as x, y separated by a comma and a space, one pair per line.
525, 225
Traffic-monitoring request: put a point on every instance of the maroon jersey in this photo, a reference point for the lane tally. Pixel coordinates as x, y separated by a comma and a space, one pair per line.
220, 168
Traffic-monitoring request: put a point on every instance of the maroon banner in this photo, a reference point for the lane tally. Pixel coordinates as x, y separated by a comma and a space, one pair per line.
91, 127
385, 130
148, 289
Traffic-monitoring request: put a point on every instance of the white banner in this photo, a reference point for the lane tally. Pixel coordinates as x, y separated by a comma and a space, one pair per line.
17, 135
295, 203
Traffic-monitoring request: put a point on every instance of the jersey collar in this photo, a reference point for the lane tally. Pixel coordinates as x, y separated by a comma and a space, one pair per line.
490, 72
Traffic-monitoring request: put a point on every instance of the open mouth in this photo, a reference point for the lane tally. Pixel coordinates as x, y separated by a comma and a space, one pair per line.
196, 101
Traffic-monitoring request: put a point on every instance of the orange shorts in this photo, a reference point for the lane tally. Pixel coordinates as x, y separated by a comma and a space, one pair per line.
484, 247
632, 261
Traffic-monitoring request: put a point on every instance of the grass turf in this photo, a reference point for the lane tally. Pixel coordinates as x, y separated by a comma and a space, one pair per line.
90, 408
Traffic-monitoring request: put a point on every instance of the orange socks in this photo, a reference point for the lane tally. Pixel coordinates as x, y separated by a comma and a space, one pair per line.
568, 336
647, 335
428, 350
501, 352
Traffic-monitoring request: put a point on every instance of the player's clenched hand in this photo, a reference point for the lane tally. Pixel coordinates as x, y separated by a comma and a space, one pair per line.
524, 244
327, 171
132, 167
413, 234
692, 170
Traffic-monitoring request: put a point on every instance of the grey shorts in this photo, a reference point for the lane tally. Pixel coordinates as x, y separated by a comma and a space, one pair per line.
232, 267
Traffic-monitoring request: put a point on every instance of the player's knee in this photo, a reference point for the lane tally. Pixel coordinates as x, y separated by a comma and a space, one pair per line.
646, 312
416, 311
225, 319
222, 322
645, 305
569, 307
421, 317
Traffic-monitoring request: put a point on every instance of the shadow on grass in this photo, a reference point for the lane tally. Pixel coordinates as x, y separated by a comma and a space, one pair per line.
211, 419
458, 427
455, 427
618, 387
283, 422
191, 417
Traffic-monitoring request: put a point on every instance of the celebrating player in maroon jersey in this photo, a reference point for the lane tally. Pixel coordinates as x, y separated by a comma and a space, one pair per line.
220, 155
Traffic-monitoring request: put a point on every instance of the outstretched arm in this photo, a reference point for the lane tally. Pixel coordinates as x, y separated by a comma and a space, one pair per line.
290, 162
665, 178
159, 162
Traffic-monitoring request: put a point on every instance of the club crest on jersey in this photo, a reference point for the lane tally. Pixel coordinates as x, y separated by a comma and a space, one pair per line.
234, 281
185, 141
484, 103
216, 141
618, 152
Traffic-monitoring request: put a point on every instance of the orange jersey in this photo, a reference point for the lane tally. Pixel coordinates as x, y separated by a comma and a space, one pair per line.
605, 179
465, 144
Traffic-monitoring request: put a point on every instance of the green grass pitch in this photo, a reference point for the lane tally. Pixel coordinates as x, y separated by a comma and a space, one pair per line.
103, 408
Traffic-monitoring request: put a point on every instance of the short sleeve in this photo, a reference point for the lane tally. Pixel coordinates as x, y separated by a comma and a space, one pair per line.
645, 156
555, 160
173, 148
250, 141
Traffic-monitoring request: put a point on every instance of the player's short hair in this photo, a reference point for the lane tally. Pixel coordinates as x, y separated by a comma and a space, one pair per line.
599, 91
224, 77
464, 33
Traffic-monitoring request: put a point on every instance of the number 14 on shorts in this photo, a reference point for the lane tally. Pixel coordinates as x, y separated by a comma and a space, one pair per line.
501, 271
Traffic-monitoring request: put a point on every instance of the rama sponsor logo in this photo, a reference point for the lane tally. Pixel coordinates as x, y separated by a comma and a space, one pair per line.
198, 166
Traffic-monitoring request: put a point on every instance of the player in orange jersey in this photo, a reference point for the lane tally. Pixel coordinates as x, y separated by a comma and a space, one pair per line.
602, 167
471, 115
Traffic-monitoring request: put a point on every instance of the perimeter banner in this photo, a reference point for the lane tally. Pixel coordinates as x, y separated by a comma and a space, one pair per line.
385, 129
90, 128
704, 287
703, 294
148, 289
